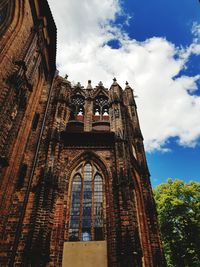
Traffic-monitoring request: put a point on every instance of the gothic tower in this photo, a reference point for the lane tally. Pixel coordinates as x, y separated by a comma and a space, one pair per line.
75, 187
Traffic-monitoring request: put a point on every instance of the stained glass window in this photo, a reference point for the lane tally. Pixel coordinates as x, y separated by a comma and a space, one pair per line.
86, 215
98, 208
75, 208
87, 203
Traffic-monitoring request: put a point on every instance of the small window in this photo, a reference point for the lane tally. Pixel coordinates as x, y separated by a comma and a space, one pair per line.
35, 121
21, 176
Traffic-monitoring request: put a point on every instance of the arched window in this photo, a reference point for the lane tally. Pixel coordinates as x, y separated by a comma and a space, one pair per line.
87, 198
77, 107
101, 108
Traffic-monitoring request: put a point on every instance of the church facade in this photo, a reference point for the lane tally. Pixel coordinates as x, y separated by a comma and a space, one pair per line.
74, 183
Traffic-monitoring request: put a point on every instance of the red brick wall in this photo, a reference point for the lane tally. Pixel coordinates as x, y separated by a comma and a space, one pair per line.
21, 60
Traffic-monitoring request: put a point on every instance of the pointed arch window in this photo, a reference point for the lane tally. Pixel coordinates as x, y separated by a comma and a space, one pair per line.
77, 108
101, 108
87, 200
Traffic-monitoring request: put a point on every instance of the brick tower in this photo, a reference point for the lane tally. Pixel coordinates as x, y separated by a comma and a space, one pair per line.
74, 187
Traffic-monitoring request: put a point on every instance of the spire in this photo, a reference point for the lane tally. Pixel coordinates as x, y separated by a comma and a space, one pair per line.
129, 95
116, 91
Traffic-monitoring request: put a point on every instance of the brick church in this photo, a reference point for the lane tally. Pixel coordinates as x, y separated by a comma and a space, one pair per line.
74, 182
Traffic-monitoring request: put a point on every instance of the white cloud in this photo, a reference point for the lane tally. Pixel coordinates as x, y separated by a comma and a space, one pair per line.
167, 105
196, 32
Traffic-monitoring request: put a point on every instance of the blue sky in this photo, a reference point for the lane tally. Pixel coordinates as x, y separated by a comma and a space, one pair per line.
172, 20
155, 45
180, 162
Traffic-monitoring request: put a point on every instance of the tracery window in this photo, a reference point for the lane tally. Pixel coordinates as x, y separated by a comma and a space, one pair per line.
101, 108
87, 199
77, 107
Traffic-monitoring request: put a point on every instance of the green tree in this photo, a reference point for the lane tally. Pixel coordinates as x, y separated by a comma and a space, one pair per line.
178, 207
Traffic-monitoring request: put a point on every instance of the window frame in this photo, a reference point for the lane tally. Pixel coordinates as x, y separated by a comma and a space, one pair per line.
101, 105
96, 171
77, 107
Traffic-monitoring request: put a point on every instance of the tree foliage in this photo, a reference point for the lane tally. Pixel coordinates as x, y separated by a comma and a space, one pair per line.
178, 207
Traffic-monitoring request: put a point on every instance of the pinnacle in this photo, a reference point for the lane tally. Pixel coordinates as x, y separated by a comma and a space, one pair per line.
127, 85
89, 86
100, 84
115, 81
78, 84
